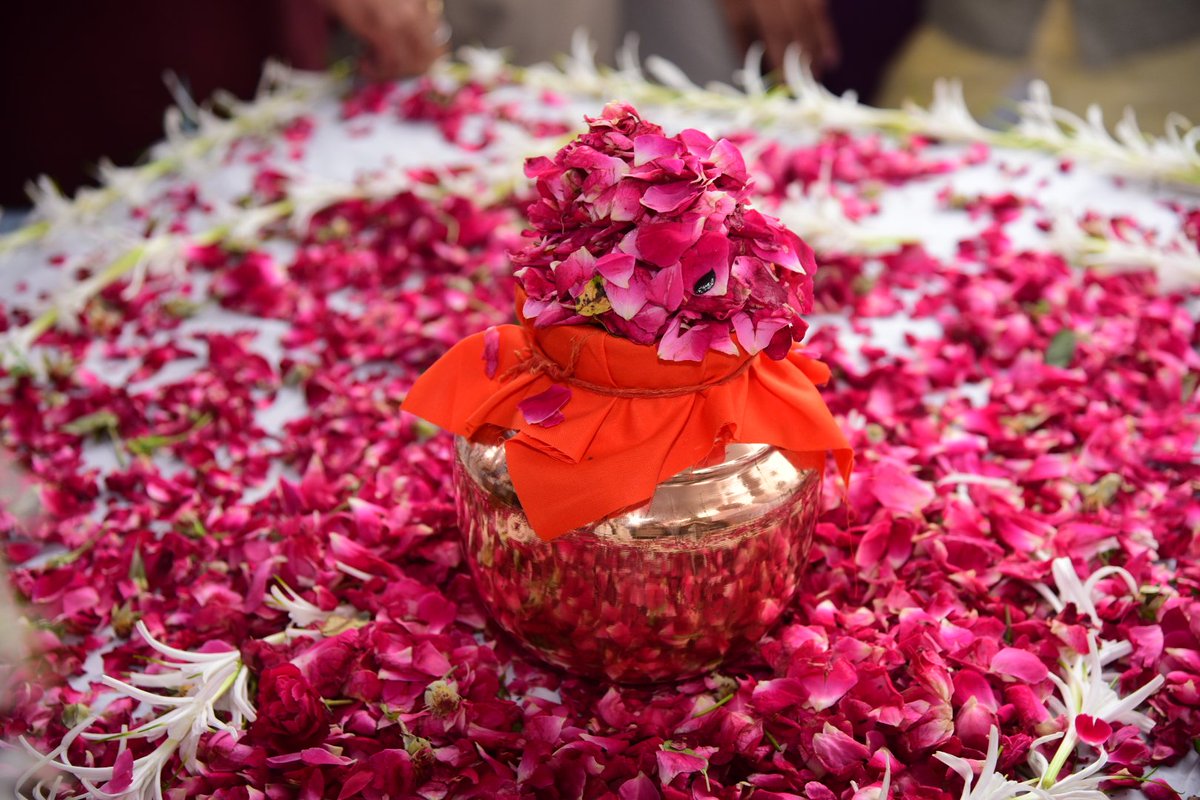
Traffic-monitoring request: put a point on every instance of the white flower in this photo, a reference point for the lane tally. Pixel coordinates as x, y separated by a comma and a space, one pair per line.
1081, 785
353, 572
301, 612
310, 194
579, 66
484, 65
948, 115
823, 108
203, 686
1173, 259
49, 203
196, 133
671, 76
629, 63
749, 77
1087, 689
145, 783
1175, 156
158, 255
1081, 594
990, 785
1127, 149
818, 216
245, 226
279, 78
131, 184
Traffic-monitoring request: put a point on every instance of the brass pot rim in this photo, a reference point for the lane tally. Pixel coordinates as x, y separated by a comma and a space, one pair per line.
752, 454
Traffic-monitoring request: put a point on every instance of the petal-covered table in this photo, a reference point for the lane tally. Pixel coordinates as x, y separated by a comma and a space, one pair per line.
242, 577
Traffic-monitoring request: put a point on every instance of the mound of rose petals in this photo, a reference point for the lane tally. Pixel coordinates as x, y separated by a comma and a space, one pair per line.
652, 236
1043, 414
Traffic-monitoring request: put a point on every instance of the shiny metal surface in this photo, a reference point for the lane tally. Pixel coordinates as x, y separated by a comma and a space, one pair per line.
662, 592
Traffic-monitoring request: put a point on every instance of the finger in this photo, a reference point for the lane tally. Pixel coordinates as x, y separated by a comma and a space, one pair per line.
425, 37
774, 28
419, 46
824, 36
404, 41
803, 23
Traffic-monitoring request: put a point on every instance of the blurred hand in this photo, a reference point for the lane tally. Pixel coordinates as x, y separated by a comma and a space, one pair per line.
403, 37
778, 23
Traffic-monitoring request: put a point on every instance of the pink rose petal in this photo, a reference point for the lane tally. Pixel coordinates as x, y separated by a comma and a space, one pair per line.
672, 763
662, 242
491, 351
756, 336
627, 302
616, 268
1091, 730
638, 788
777, 694
648, 147
668, 198
838, 752
898, 490
122, 777
728, 160
544, 408
1019, 664
825, 686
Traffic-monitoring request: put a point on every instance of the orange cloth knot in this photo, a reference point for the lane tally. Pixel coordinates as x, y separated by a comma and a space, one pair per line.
633, 420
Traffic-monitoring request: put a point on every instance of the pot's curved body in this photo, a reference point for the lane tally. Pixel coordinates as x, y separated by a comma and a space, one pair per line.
661, 592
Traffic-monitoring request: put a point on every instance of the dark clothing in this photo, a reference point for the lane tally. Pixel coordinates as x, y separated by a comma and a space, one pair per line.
870, 33
82, 79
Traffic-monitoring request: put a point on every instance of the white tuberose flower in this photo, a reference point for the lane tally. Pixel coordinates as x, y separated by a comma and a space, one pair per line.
302, 612
990, 785
203, 685
1071, 590
1081, 785
1089, 690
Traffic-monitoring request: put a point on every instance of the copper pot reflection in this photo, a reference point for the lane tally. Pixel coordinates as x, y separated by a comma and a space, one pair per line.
662, 592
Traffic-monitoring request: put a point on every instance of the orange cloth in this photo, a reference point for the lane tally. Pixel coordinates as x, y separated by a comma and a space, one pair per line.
609, 453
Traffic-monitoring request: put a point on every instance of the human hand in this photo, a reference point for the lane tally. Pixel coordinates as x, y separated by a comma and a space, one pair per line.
779, 23
403, 37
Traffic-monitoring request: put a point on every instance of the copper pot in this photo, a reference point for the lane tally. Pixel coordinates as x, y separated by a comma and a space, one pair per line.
662, 592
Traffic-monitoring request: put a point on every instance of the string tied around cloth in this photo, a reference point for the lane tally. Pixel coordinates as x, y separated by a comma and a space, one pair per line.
534, 362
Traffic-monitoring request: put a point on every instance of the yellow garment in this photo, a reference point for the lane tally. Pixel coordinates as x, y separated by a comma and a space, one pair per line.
1154, 83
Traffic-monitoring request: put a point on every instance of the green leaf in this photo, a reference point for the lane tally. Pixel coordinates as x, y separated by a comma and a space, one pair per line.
713, 707
123, 618
1061, 351
75, 713
181, 307
1189, 386
1040, 309
416, 745
89, 424
1101, 493
196, 529
70, 557
146, 445
424, 430
137, 571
